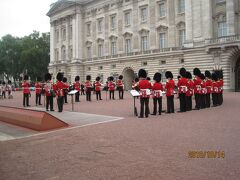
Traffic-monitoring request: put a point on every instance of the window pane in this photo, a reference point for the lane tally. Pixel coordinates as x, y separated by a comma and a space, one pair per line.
162, 40
162, 10
181, 6
144, 14
182, 37
222, 29
144, 44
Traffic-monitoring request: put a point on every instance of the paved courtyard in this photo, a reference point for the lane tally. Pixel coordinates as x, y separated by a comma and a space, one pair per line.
108, 142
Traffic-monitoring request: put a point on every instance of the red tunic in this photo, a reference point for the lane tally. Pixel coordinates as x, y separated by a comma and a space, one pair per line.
88, 85
144, 86
221, 85
170, 84
215, 86
120, 84
209, 86
111, 86
157, 87
197, 85
203, 86
77, 85
59, 87
182, 85
97, 86
190, 86
48, 87
38, 88
26, 87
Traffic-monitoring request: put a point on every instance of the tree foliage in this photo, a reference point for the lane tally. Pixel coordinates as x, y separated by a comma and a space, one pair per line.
27, 55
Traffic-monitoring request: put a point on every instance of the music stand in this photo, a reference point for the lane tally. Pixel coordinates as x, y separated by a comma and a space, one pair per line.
71, 93
134, 93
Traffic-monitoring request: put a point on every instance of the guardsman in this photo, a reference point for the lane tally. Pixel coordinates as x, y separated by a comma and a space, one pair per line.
9, 89
197, 88
26, 91
0, 89
209, 88
182, 89
49, 92
189, 92
111, 87
97, 86
38, 90
169, 87
59, 89
4, 89
65, 90
77, 86
157, 90
215, 88
220, 82
88, 86
120, 86
204, 91
144, 86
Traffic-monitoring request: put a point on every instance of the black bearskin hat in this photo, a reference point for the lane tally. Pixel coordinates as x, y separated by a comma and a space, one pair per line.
111, 78
219, 74
48, 77
77, 78
148, 78
9, 82
64, 79
202, 76
196, 72
25, 77
3, 83
169, 74
157, 77
136, 79
59, 76
208, 74
142, 73
39, 79
98, 78
120, 77
182, 72
88, 77
188, 75
178, 77
214, 77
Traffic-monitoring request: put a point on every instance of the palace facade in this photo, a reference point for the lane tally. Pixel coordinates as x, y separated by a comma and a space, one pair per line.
113, 37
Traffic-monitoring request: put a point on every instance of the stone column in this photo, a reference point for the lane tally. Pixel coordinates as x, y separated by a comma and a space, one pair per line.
52, 43
207, 20
189, 23
79, 37
74, 37
230, 15
172, 25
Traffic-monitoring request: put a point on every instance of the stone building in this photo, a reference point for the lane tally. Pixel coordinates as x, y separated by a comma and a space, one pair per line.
113, 37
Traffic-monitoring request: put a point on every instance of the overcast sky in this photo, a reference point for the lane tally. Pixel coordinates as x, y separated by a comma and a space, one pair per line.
21, 17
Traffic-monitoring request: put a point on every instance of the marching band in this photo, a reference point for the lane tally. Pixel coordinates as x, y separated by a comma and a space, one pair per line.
202, 87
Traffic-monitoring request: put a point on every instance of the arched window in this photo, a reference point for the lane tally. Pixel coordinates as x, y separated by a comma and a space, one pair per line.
63, 51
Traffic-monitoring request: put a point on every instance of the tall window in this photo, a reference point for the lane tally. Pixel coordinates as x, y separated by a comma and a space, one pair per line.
56, 55
113, 47
181, 6
63, 53
89, 52
143, 14
127, 18
57, 35
64, 33
182, 36
100, 25
88, 29
144, 43
128, 48
113, 21
162, 11
222, 29
100, 50
162, 40
70, 52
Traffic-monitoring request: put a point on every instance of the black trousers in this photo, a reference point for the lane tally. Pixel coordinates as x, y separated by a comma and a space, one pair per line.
38, 99
208, 101
120, 92
220, 97
25, 99
198, 101
111, 94
88, 95
98, 95
4, 94
82, 92
65, 96
49, 102
203, 101
60, 103
144, 102
170, 104
159, 101
182, 98
188, 103
77, 97
215, 99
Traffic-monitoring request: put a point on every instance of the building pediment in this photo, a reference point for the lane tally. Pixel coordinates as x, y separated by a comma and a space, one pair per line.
99, 39
88, 43
113, 36
181, 25
127, 33
162, 28
59, 6
143, 30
